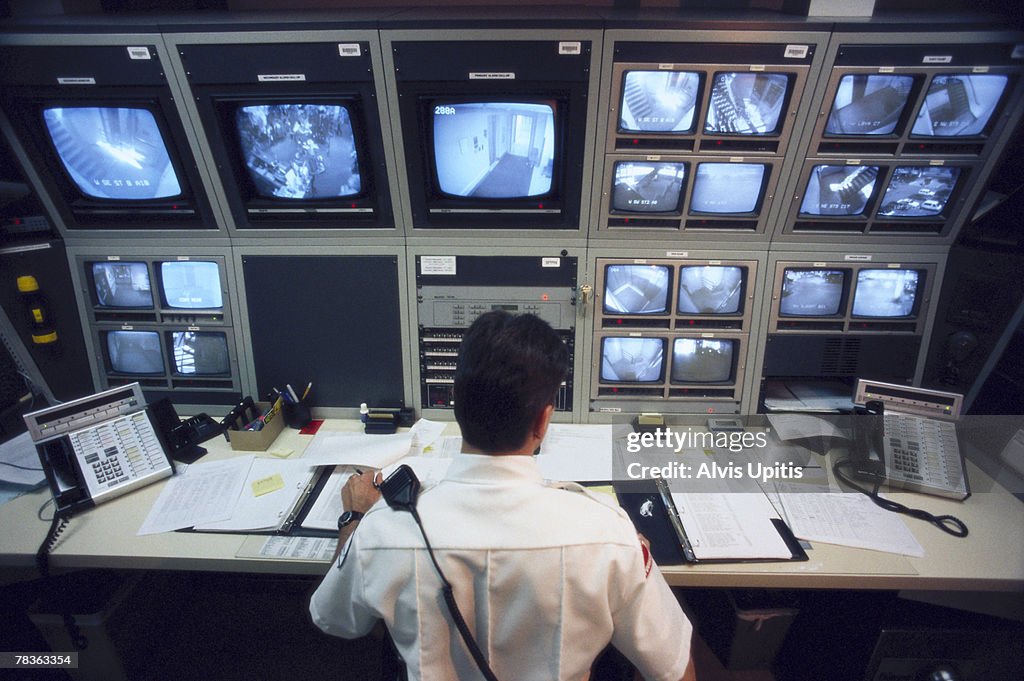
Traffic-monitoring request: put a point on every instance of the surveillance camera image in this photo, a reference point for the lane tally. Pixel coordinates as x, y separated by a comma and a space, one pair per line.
648, 187
113, 152
959, 105
122, 284
918, 191
659, 101
191, 284
885, 293
135, 352
697, 360
727, 187
839, 190
632, 360
746, 103
636, 289
494, 150
710, 289
299, 151
811, 292
868, 104
200, 354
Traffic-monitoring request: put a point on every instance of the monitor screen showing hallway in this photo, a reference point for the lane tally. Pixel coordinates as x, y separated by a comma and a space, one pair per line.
494, 150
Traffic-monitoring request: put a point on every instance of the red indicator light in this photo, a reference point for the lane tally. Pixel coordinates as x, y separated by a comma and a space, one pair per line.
545, 297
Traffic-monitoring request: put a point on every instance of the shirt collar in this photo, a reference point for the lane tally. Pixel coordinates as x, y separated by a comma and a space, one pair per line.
485, 468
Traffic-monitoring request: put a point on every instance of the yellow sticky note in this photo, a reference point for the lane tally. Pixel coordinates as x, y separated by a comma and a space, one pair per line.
605, 489
267, 485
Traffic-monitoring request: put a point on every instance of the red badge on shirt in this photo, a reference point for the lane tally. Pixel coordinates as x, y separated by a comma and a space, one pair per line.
645, 549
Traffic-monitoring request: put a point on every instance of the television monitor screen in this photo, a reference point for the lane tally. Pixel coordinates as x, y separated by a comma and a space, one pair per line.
710, 289
636, 289
812, 292
494, 150
299, 151
727, 187
702, 360
632, 360
918, 191
116, 153
191, 284
839, 190
959, 104
744, 103
648, 187
122, 285
135, 352
659, 101
200, 353
868, 104
885, 293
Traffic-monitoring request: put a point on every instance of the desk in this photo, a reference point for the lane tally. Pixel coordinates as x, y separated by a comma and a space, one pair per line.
990, 559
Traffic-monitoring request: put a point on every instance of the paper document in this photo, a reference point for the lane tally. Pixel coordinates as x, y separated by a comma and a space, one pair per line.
299, 548
22, 462
803, 426
258, 510
849, 520
424, 436
577, 453
205, 492
340, 448
730, 526
323, 514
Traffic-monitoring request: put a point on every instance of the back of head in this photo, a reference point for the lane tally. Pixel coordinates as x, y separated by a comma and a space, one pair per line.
509, 368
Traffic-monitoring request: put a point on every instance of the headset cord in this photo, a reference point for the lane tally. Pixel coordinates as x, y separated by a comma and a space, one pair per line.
453, 608
57, 525
947, 523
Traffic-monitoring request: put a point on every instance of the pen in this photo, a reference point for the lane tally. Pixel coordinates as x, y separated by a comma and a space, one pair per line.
305, 392
291, 393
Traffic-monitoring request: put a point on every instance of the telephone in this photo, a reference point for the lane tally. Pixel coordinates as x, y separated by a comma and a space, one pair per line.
99, 447
184, 437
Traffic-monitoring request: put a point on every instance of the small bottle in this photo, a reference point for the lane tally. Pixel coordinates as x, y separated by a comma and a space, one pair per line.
364, 412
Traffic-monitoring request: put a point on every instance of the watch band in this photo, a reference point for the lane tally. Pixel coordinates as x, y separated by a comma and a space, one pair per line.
349, 517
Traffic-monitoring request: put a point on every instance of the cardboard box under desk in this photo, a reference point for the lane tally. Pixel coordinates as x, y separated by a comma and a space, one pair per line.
257, 440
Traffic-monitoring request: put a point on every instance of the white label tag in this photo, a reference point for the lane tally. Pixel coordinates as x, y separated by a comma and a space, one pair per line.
349, 49
570, 47
666, 67
76, 81
757, 67
893, 266
677, 254
277, 77
979, 69
438, 264
113, 257
502, 75
937, 59
857, 258
796, 51
139, 53
550, 262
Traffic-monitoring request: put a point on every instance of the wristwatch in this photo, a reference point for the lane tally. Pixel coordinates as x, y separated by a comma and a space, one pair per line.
349, 517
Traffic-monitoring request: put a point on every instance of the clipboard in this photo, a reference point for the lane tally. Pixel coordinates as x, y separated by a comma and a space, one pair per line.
654, 514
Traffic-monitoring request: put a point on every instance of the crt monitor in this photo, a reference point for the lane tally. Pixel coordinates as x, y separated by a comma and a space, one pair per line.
710, 289
839, 190
918, 191
959, 105
868, 104
191, 285
134, 352
115, 153
494, 149
637, 289
299, 151
812, 292
728, 188
632, 360
659, 101
703, 360
744, 103
886, 293
121, 285
200, 353
648, 187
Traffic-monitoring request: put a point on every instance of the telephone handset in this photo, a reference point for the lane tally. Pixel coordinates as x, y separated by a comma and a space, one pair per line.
867, 457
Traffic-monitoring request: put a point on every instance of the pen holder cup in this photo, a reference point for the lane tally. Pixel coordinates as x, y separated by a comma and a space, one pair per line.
297, 415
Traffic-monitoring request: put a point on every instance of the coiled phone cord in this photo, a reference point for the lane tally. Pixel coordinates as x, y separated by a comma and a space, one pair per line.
57, 525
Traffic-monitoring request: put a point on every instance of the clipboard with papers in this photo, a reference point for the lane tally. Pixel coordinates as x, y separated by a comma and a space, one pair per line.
688, 528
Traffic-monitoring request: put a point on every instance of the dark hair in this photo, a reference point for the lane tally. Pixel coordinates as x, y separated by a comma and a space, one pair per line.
509, 368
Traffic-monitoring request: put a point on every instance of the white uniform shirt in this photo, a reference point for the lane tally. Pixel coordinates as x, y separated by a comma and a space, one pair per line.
545, 578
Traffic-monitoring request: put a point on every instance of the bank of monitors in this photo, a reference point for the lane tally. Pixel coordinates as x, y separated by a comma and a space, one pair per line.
494, 134
162, 320
880, 196
937, 100
295, 131
831, 297
706, 97
109, 144
688, 192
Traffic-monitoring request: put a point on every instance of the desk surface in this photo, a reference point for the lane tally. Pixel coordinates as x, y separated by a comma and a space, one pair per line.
991, 558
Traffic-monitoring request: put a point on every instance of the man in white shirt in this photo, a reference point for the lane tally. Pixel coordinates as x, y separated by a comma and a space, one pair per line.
545, 575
